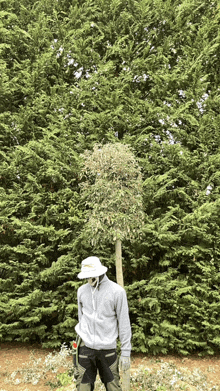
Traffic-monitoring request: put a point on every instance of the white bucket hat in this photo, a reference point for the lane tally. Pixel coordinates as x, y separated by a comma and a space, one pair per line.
92, 267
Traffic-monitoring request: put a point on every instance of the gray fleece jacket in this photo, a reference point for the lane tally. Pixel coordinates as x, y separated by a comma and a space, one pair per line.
103, 316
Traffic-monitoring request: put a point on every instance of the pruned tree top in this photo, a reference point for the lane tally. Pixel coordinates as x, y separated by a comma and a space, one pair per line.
112, 161
113, 191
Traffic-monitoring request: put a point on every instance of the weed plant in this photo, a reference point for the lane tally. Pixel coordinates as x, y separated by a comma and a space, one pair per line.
165, 378
37, 368
169, 377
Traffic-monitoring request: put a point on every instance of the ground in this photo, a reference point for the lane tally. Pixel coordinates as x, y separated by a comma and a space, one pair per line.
15, 357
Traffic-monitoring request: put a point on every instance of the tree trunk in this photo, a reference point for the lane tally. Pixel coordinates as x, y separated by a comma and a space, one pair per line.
118, 264
125, 379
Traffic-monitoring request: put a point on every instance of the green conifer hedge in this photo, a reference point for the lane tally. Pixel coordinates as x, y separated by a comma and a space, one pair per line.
142, 72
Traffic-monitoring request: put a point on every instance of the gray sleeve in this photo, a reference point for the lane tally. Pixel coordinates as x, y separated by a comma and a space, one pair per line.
124, 326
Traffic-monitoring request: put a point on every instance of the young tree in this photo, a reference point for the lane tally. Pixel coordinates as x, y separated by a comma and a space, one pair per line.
113, 192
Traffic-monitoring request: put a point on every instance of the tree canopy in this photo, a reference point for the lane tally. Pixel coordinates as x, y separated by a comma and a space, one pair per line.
112, 190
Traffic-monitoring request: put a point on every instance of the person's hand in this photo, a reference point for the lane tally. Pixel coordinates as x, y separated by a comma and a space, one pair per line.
124, 363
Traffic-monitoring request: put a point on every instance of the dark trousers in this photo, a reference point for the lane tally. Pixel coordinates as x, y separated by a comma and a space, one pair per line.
91, 361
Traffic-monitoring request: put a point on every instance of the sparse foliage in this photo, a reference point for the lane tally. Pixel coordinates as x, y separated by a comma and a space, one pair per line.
113, 192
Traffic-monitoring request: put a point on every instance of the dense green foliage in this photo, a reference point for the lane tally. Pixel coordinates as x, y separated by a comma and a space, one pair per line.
142, 72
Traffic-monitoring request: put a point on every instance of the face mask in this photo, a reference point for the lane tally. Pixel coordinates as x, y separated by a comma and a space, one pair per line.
93, 281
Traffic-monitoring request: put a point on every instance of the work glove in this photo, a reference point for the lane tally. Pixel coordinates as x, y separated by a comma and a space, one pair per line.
124, 363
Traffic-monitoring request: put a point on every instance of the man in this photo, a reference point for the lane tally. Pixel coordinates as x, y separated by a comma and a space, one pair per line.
103, 316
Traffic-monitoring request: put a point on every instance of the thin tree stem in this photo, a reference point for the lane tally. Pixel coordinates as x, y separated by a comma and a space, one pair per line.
118, 264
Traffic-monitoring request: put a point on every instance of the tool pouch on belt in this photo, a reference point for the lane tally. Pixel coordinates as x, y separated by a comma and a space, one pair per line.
75, 346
